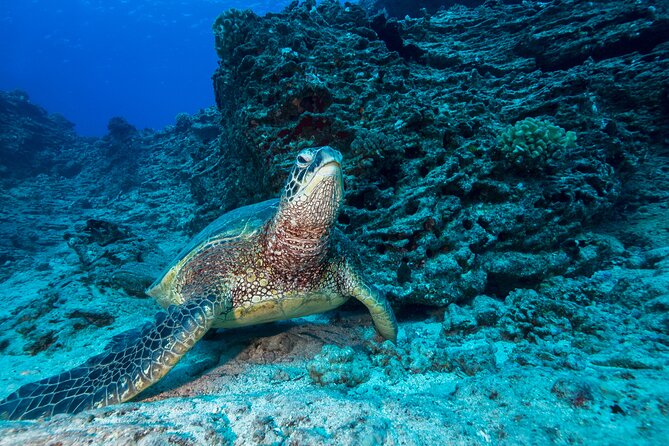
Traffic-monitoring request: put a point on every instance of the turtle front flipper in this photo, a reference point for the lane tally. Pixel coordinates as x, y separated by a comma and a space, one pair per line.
379, 307
131, 362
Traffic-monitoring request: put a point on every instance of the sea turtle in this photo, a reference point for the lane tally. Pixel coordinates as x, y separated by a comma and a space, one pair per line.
274, 260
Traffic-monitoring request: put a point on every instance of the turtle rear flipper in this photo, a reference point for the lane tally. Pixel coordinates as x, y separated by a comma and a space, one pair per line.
131, 362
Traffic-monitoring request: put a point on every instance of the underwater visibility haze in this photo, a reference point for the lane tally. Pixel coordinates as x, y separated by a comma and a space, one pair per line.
316, 223
91, 60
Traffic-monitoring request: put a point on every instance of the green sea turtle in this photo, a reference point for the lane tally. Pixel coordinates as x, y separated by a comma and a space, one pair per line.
274, 260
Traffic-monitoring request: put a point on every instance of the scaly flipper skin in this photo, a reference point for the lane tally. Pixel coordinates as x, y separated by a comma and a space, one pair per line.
379, 307
131, 362
382, 314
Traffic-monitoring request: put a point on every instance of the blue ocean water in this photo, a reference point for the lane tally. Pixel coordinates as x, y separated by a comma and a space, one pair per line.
91, 60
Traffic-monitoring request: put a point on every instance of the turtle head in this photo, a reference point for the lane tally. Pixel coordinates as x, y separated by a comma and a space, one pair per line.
313, 194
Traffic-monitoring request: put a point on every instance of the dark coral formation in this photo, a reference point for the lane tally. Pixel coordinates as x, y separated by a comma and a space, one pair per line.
429, 184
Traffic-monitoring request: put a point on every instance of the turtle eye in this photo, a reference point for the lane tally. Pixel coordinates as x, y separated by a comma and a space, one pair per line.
304, 158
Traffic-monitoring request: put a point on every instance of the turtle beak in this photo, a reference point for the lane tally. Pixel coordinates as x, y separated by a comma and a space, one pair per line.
328, 154
328, 161
330, 169
327, 167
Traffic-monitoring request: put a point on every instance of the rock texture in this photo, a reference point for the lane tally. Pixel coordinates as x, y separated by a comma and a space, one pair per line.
423, 125
417, 8
32, 141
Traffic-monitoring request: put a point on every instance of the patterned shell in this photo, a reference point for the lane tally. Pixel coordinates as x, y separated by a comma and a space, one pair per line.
238, 223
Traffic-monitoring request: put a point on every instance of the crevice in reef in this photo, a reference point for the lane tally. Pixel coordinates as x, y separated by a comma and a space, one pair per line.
644, 42
389, 31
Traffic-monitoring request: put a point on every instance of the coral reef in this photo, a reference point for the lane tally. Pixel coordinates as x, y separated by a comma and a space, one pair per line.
32, 141
413, 8
532, 286
425, 136
529, 143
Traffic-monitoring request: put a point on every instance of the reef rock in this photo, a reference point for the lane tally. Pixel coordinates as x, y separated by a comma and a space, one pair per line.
433, 116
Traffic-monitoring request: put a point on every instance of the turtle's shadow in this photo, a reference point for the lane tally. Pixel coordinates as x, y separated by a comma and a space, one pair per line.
218, 347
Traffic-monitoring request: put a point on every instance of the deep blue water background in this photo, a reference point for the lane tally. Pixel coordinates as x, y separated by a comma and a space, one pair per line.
90, 60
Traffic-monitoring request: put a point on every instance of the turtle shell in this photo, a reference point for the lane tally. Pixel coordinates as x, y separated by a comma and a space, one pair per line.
237, 224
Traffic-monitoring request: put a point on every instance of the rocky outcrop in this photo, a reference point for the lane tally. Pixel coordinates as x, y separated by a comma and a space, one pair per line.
420, 108
507, 166
32, 141
417, 8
